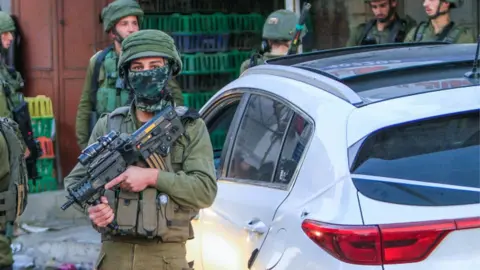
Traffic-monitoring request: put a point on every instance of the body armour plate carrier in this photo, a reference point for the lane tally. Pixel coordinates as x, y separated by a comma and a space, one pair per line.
150, 213
14, 200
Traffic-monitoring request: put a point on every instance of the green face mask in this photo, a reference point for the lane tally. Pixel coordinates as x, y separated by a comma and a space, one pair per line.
149, 88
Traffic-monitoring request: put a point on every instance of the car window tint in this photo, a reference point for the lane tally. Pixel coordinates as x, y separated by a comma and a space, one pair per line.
297, 137
259, 139
443, 150
218, 128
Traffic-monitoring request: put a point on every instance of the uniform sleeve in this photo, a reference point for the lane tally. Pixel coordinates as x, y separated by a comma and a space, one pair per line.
409, 37
466, 36
353, 39
4, 164
84, 108
194, 186
176, 92
79, 171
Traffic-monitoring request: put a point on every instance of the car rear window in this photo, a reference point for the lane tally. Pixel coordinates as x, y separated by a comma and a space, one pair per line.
430, 162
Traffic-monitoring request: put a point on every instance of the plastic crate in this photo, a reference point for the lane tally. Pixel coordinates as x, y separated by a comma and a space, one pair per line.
40, 106
196, 100
240, 23
150, 22
188, 43
42, 126
201, 63
47, 147
46, 167
218, 139
43, 184
190, 6
205, 82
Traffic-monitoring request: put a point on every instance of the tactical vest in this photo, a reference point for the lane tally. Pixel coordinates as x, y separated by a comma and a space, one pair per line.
111, 93
448, 34
397, 32
151, 213
14, 200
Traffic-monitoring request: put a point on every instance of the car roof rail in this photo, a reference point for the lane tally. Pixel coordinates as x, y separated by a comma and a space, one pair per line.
327, 83
294, 59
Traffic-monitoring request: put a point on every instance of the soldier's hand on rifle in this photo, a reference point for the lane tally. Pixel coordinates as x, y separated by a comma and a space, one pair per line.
101, 214
135, 179
27, 153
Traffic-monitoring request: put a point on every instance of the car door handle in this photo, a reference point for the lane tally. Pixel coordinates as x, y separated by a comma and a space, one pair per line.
256, 226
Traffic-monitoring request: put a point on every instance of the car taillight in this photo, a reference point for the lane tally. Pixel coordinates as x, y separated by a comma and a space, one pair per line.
383, 244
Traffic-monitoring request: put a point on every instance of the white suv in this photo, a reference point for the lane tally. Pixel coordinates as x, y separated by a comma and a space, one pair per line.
359, 158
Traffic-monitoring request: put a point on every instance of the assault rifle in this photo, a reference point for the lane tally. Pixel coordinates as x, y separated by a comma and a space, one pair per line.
21, 115
111, 155
299, 29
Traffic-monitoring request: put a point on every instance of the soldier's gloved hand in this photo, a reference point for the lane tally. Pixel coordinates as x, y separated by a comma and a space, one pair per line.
101, 214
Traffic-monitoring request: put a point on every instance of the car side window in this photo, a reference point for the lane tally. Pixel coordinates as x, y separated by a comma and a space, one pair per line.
259, 139
298, 135
218, 129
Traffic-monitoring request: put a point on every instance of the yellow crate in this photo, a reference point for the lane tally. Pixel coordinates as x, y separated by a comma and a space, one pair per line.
40, 106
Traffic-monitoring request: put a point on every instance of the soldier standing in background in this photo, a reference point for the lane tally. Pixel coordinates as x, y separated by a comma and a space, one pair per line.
440, 27
387, 27
278, 32
103, 91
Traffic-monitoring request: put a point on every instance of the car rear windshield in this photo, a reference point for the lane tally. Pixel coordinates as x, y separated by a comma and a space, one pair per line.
431, 162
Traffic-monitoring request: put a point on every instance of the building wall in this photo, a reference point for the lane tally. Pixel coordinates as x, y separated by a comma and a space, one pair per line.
59, 37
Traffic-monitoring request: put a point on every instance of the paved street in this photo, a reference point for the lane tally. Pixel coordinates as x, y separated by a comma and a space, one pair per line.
49, 238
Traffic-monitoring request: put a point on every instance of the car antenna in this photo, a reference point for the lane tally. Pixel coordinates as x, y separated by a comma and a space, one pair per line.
475, 73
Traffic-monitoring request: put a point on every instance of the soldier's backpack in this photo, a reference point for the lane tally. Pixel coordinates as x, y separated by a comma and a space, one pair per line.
14, 200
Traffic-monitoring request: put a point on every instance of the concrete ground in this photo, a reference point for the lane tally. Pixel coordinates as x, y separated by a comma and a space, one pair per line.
49, 238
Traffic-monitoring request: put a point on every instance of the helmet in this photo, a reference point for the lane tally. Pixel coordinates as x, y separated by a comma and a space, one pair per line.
147, 43
454, 3
119, 9
280, 25
6, 23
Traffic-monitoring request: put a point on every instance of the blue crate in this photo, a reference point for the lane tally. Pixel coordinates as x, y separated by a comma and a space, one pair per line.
190, 43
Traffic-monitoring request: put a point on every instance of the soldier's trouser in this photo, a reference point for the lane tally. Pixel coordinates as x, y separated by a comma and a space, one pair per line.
6, 257
115, 255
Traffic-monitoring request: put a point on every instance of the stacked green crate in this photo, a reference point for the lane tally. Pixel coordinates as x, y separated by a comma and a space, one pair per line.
43, 127
212, 41
209, 59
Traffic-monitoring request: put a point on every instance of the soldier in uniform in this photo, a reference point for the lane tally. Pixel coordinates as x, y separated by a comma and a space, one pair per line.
278, 32
440, 27
102, 89
13, 185
11, 80
149, 58
386, 27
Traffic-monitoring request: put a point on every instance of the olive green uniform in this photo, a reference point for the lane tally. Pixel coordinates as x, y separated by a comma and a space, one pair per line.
258, 61
6, 257
14, 82
425, 33
451, 33
368, 33
192, 185
13, 185
187, 185
85, 106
